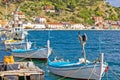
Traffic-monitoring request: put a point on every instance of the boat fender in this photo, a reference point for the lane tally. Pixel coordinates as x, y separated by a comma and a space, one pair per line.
106, 69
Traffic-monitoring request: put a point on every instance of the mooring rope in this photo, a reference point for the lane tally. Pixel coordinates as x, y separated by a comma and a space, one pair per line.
92, 71
107, 75
115, 74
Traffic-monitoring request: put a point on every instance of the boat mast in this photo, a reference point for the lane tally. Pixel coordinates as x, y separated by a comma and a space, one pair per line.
101, 65
83, 40
48, 43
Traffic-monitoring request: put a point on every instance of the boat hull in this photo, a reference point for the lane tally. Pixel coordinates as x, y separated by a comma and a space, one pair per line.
42, 54
79, 72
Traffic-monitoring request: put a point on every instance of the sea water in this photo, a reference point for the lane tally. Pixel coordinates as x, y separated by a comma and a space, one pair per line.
65, 45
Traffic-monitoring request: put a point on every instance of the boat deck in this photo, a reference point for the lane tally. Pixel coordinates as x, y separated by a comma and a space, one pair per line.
27, 70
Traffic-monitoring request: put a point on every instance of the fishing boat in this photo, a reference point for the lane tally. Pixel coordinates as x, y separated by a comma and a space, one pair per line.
15, 37
17, 44
83, 69
18, 33
33, 53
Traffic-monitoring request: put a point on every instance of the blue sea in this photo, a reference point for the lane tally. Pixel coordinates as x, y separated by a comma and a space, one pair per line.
65, 45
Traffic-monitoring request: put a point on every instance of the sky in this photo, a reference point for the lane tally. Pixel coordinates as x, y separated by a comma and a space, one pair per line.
114, 2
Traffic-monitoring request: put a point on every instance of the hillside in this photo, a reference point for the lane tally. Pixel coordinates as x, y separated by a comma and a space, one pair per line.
79, 11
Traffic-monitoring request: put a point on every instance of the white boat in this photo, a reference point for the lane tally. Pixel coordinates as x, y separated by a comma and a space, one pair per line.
34, 53
18, 33
83, 69
17, 44
16, 38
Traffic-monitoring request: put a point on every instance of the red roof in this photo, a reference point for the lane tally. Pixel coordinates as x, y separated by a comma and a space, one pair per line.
98, 18
55, 23
49, 7
19, 12
41, 17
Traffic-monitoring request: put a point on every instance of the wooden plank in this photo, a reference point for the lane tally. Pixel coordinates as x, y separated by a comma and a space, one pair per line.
36, 77
10, 77
34, 72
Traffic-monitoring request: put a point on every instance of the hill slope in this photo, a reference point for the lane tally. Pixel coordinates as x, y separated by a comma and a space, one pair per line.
66, 10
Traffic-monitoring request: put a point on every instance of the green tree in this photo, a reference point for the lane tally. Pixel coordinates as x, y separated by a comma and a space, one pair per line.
113, 17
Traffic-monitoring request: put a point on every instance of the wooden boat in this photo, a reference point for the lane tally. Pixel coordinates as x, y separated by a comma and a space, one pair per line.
83, 69
35, 53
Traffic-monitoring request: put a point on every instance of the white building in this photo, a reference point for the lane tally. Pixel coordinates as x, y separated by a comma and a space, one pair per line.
55, 25
18, 15
40, 20
18, 18
39, 26
49, 9
28, 25
77, 26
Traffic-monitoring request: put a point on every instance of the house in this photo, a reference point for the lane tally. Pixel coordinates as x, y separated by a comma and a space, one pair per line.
40, 19
17, 15
55, 25
77, 26
49, 8
99, 21
3, 23
114, 24
118, 22
18, 18
39, 26
66, 25
27, 25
